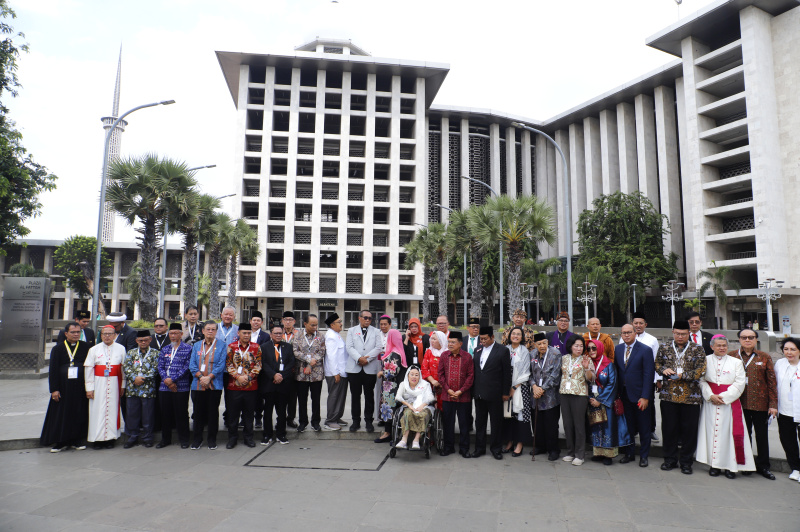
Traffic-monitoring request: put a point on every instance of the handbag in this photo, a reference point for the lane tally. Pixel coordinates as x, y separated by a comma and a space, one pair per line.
507, 409
618, 407
596, 415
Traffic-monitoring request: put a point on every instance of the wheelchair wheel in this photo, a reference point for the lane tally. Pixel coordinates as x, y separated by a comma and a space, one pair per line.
392, 452
397, 431
437, 430
427, 452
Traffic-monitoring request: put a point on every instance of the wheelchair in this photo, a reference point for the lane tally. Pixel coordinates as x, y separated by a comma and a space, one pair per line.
433, 437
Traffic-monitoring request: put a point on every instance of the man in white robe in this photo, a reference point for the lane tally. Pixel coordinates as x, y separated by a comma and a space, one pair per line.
104, 383
722, 440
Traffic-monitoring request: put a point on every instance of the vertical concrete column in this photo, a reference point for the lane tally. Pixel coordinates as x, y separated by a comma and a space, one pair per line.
769, 206
494, 156
669, 168
444, 167
562, 195
628, 158
592, 155
546, 186
609, 151
465, 163
67, 310
115, 281
420, 175
344, 182
511, 162
577, 172
646, 153
527, 170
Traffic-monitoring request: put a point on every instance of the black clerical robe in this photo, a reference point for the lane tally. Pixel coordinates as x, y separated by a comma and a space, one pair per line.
67, 419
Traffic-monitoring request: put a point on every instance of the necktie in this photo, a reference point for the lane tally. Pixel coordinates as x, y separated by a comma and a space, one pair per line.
277, 354
627, 354
694, 337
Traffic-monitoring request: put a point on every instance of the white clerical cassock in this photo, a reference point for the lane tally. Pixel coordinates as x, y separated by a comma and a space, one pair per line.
103, 375
722, 440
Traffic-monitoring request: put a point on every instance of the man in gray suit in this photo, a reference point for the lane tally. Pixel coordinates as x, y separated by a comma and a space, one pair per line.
363, 345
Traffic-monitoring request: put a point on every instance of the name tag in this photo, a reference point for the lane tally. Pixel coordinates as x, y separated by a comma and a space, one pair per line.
594, 389
568, 386
106, 373
540, 383
72, 373
415, 360
202, 367
746, 381
280, 367
759, 363
239, 371
679, 371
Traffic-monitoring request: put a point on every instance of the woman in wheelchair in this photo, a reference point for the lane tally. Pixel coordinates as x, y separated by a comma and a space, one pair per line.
416, 396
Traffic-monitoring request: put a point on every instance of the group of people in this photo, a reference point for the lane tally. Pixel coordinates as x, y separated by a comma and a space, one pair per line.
520, 387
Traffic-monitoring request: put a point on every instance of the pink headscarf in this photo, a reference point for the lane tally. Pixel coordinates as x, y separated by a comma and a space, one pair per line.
600, 349
394, 344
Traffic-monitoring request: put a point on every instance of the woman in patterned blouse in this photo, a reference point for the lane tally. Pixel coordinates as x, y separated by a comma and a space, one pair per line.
577, 372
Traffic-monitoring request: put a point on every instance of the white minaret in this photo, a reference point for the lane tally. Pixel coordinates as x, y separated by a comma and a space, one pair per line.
113, 150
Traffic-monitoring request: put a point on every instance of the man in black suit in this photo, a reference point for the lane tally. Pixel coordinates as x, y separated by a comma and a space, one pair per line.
277, 370
258, 336
160, 338
636, 370
696, 336
126, 336
491, 386
83, 318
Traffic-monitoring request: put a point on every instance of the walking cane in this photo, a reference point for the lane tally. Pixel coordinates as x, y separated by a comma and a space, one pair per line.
535, 421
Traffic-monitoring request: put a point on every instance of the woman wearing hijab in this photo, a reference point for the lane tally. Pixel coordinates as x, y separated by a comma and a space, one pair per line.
430, 364
608, 428
393, 372
191, 328
416, 395
415, 342
517, 428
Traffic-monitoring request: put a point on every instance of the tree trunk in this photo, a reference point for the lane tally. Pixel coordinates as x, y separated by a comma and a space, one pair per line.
514, 267
441, 266
216, 264
477, 284
233, 274
426, 292
149, 251
189, 270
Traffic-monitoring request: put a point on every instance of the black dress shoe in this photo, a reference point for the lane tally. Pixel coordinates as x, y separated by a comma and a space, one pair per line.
730, 474
465, 454
370, 428
748, 473
553, 456
643, 462
506, 451
539, 451
381, 423
713, 472
250, 443
316, 427
184, 446
607, 461
666, 466
129, 444
497, 455
354, 427
162, 444
515, 453
478, 453
388, 439
148, 444
766, 473
686, 470
97, 445
627, 459
109, 444
231, 444
446, 452
291, 423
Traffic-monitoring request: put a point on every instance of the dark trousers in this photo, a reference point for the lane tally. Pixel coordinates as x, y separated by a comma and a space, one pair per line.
483, 411
205, 405
259, 408
638, 421
139, 424
276, 401
240, 405
303, 389
652, 409
451, 410
547, 429
758, 419
174, 415
789, 431
362, 382
291, 400
679, 422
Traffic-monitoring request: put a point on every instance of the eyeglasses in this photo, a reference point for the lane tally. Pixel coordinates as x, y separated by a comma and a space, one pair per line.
747, 338
564, 320
366, 318
626, 332
592, 348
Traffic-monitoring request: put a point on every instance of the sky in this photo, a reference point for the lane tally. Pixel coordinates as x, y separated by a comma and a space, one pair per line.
531, 58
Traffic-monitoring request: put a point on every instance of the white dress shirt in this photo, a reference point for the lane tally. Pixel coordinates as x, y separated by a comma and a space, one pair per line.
335, 354
485, 354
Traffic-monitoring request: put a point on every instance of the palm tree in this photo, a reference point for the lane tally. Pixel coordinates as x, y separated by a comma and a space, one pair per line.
420, 251
542, 274
717, 281
458, 240
242, 243
518, 223
190, 217
133, 283
221, 226
140, 191
203, 292
26, 270
436, 234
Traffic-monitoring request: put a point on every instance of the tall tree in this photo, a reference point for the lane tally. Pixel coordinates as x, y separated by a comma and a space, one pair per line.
21, 179
239, 244
221, 226
717, 280
625, 234
75, 259
519, 223
475, 215
436, 234
458, 241
133, 284
141, 190
421, 251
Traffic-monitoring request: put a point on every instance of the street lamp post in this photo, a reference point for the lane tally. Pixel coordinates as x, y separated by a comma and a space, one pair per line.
769, 294
673, 287
502, 295
587, 296
633, 286
531, 288
161, 304
97, 292
567, 208
465, 270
